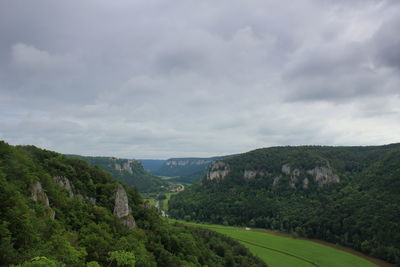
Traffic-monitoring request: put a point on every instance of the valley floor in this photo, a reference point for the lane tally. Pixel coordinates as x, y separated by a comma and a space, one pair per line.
284, 250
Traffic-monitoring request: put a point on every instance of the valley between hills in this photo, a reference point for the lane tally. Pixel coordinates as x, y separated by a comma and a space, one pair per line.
278, 206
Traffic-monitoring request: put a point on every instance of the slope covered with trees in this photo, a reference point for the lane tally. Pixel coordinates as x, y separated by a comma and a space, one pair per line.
57, 211
345, 195
128, 171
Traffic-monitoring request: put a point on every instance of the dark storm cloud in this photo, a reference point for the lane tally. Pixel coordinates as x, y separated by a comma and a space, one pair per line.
197, 78
386, 43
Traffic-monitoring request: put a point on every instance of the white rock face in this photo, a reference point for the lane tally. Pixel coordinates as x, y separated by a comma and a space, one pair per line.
251, 174
218, 171
286, 168
65, 183
38, 195
122, 209
125, 166
324, 176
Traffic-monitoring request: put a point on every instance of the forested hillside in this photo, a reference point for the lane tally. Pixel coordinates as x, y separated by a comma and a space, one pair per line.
57, 211
129, 171
186, 170
345, 195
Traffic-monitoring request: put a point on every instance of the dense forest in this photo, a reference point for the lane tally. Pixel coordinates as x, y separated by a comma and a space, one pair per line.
344, 195
60, 211
128, 171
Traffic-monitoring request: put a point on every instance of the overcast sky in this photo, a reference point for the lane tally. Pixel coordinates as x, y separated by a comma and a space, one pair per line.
160, 78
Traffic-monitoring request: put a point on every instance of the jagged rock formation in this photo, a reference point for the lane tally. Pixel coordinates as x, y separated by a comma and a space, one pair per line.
251, 174
38, 195
65, 183
294, 175
286, 169
125, 166
122, 209
218, 171
324, 176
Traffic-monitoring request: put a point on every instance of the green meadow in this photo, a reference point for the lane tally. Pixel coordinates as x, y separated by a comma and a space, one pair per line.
284, 251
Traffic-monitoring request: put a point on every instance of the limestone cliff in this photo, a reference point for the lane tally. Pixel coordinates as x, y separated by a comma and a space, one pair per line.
321, 175
251, 174
122, 209
38, 195
126, 165
324, 176
65, 183
218, 171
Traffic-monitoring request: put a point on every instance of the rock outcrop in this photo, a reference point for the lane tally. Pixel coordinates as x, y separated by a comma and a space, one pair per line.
251, 174
276, 180
38, 195
324, 176
293, 174
286, 169
65, 183
122, 209
218, 171
124, 166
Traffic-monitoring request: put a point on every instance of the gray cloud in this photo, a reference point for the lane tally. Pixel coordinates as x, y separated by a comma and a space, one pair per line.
155, 79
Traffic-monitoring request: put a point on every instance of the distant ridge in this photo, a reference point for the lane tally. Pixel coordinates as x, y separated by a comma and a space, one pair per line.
129, 171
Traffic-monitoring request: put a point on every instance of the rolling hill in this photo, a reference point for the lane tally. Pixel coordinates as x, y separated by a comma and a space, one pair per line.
60, 211
344, 195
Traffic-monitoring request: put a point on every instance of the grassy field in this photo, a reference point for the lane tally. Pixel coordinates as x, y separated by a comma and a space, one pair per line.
284, 251
164, 202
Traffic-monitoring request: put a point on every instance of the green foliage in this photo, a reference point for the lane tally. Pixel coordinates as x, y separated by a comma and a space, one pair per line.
93, 264
362, 211
122, 258
84, 231
40, 262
